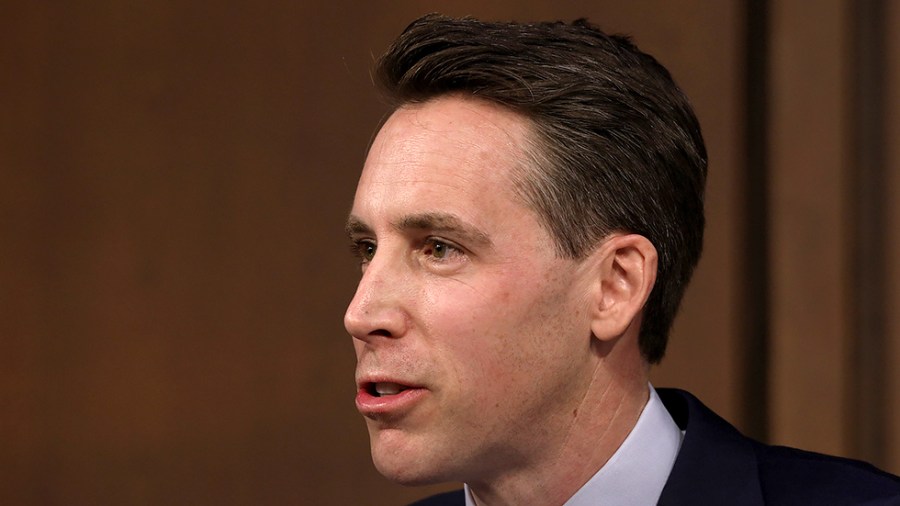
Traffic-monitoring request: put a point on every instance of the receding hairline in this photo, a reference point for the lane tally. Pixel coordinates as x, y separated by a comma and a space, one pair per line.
532, 165
531, 160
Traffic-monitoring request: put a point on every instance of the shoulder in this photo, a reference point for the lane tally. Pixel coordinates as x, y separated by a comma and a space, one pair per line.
454, 498
717, 461
800, 477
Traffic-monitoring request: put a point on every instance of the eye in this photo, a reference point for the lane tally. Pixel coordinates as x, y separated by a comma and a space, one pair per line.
439, 250
364, 250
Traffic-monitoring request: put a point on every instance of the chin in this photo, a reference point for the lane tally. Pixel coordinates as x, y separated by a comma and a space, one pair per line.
406, 470
406, 463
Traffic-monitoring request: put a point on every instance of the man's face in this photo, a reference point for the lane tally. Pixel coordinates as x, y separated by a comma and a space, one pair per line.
472, 336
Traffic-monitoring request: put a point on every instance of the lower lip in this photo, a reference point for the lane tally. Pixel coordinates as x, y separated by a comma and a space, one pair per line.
388, 405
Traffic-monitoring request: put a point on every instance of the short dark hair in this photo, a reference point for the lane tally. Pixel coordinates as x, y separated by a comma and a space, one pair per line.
616, 144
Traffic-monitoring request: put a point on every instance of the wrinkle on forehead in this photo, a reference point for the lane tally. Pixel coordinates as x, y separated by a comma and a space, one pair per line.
484, 136
507, 126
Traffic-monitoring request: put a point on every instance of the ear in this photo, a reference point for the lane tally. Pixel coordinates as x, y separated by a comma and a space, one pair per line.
626, 272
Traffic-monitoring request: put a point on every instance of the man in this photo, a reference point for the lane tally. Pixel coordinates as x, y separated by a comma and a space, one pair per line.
526, 221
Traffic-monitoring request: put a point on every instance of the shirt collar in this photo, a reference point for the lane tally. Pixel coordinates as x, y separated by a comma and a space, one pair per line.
638, 470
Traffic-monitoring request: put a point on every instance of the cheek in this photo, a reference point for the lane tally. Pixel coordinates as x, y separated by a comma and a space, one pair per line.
468, 331
540, 329
504, 326
494, 337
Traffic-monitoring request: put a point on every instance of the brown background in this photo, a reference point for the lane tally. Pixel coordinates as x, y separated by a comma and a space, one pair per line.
174, 178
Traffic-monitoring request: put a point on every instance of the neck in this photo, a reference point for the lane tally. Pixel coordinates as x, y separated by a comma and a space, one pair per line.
583, 439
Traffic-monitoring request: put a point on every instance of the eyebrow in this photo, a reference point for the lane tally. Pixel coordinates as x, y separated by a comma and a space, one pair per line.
435, 222
356, 227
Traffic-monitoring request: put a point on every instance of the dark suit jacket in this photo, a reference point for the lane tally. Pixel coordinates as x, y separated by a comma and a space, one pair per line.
718, 465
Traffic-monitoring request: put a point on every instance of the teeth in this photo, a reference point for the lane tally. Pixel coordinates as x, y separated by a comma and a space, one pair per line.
388, 388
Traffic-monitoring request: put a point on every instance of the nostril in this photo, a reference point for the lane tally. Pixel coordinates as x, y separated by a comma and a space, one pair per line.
368, 317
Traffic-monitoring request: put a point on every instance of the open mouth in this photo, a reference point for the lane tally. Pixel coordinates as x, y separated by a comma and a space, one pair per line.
380, 399
384, 388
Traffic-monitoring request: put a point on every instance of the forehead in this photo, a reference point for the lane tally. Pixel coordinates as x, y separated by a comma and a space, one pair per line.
461, 146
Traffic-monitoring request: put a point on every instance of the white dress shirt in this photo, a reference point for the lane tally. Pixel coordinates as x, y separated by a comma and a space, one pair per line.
638, 470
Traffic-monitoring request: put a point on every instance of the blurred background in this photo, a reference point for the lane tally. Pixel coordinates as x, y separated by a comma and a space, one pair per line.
174, 179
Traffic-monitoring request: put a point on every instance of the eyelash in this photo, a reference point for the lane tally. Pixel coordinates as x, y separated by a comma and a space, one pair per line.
450, 248
359, 248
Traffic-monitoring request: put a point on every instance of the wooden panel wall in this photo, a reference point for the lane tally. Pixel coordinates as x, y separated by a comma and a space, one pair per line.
888, 442
173, 183
891, 163
832, 250
810, 249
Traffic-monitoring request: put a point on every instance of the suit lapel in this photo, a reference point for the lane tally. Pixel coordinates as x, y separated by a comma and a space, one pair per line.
715, 465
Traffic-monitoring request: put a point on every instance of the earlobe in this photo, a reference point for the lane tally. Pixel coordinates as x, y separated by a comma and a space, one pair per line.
626, 272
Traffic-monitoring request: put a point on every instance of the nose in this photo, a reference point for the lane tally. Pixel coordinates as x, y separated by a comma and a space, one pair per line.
378, 308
